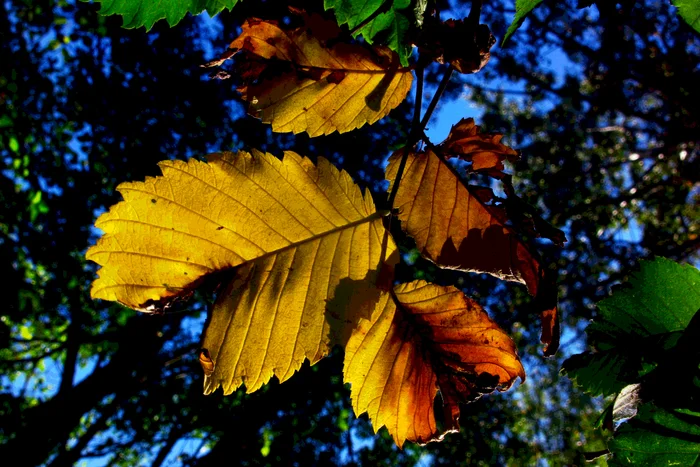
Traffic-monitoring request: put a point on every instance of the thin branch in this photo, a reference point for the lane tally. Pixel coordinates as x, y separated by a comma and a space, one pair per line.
436, 97
474, 16
34, 359
413, 137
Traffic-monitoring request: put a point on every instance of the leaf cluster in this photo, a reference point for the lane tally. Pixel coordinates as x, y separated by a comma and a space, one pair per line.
644, 340
301, 258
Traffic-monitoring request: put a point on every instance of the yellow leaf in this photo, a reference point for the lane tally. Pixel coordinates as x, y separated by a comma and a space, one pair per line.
299, 80
435, 339
455, 228
303, 236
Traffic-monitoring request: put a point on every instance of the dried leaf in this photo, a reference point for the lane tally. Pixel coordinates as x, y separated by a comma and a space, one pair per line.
296, 80
483, 150
304, 238
456, 42
455, 228
435, 340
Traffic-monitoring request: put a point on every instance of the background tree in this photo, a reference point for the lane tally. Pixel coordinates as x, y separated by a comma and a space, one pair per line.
610, 153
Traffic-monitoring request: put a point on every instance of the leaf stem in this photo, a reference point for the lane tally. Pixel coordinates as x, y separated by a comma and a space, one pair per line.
475, 14
413, 136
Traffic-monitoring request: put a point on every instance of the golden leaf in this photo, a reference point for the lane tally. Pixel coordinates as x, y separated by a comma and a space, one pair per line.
435, 339
455, 228
303, 236
298, 82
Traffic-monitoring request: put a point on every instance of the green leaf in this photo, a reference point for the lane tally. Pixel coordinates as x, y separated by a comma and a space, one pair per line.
637, 327
388, 28
5, 121
661, 298
601, 373
522, 9
14, 144
25, 333
689, 10
607, 372
139, 13
657, 437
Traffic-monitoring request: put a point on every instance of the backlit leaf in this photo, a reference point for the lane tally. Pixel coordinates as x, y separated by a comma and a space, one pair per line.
389, 28
522, 9
307, 243
689, 10
454, 227
299, 79
483, 150
435, 340
137, 13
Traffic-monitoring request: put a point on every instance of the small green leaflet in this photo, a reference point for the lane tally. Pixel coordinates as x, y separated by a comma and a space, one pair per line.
137, 13
689, 10
522, 9
657, 437
389, 28
637, 326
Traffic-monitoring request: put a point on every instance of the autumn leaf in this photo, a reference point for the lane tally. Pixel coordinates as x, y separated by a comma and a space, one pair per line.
454, 227
484, 150
434, 339
306, 242
457, 42
298, 80
138, 13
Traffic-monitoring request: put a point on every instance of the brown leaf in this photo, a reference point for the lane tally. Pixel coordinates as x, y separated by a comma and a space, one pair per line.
299, 79
456, 42
454, 227
434, 339
483, 150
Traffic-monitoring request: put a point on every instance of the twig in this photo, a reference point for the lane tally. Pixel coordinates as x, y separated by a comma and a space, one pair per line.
413, 136
436, 97
474, 16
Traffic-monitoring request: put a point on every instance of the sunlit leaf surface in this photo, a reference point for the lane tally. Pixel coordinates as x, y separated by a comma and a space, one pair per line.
299, 79
436, 339
307, 241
